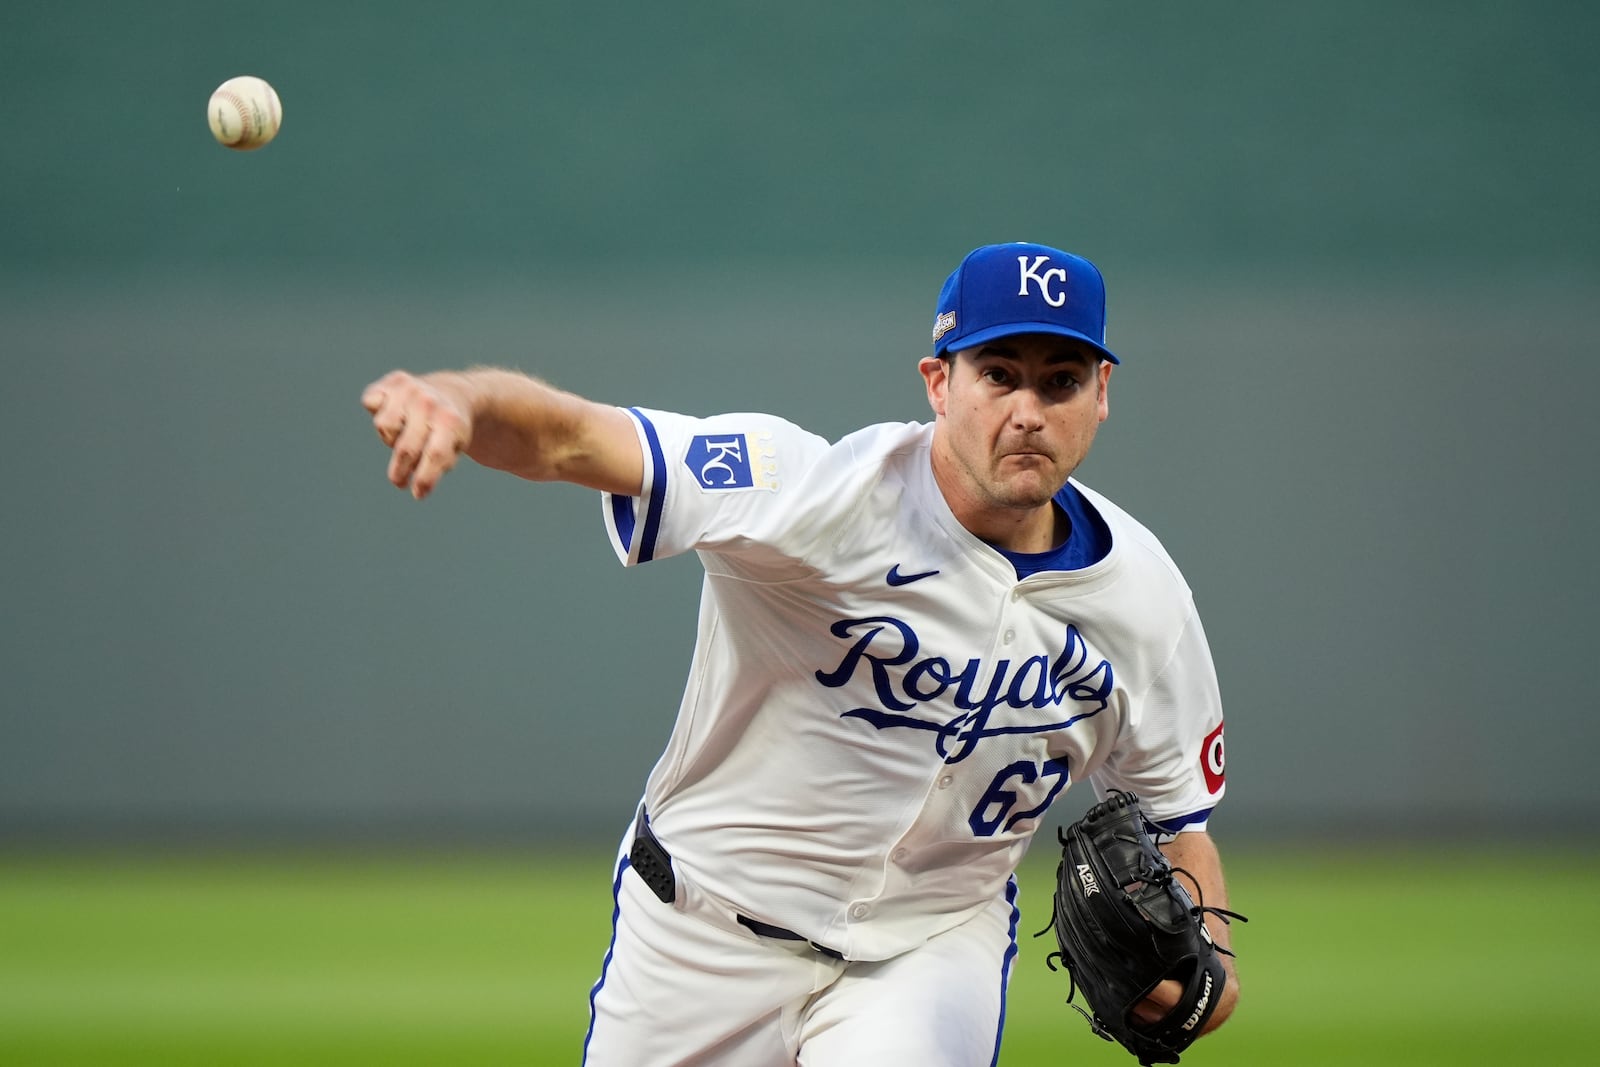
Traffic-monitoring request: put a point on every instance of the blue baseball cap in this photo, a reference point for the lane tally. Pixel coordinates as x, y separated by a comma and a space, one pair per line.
1006, 289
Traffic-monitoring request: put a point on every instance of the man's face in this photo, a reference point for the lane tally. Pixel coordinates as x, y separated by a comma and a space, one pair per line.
1015, 417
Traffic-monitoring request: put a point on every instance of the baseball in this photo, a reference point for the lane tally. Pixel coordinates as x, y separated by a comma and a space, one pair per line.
244, 113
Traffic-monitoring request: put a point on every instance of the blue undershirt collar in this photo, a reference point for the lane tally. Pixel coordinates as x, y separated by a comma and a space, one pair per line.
1088, 539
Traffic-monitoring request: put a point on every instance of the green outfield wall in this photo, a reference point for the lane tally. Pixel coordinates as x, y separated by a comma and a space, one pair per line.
1351, 253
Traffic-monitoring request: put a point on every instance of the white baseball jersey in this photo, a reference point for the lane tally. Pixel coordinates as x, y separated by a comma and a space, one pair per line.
879, 713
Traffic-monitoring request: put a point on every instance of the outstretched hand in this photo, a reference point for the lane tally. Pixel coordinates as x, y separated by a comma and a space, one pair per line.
426, 424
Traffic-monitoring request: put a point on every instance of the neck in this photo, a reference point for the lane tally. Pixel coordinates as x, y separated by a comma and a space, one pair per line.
1033, 530
1016, 529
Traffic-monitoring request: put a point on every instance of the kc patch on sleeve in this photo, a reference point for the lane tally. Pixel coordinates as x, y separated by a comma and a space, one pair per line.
726, 461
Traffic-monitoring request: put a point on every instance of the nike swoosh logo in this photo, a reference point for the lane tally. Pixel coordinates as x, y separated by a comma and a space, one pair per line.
896, 578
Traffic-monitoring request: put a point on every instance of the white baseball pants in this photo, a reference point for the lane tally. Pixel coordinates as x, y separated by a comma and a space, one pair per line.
685, 985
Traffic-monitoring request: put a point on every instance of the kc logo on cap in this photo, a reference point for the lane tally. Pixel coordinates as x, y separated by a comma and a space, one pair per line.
1006, 289
1031, 274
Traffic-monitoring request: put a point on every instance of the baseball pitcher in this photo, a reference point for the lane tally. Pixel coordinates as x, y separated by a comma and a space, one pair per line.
911, 641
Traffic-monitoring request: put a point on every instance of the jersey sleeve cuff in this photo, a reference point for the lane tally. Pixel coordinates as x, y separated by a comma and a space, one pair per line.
1164, 830
634, 522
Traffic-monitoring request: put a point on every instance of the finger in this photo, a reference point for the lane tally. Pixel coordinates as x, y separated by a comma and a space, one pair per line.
389, 421
446, 441
1162, 999
409, 442
388, 426
373, 396
394, 411
387, 399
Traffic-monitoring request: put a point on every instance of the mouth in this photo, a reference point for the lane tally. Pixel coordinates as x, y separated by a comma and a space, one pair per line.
1023, 447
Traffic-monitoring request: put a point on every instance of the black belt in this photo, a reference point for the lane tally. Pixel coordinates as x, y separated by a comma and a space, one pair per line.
654, 864
768, 930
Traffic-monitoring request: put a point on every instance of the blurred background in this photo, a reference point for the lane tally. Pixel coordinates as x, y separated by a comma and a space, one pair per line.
1352, 256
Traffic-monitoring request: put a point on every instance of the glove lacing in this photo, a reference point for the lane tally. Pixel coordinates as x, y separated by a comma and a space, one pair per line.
1201, 910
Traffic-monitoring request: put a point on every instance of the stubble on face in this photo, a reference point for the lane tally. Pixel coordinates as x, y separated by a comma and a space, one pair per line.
1011, 433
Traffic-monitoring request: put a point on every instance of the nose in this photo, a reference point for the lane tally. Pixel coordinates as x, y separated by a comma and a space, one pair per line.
1027, 410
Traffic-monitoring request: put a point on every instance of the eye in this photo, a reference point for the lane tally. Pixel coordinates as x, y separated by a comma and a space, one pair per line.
995, 375
1064, 382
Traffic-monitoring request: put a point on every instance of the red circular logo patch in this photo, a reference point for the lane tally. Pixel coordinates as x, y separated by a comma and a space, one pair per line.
1213, 760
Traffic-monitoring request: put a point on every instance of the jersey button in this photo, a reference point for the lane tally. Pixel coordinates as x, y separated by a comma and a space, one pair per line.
859, 911
944, 783
1009, 636
900, 854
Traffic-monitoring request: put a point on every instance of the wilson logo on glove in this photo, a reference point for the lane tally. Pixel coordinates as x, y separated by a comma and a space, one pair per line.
1205, 1001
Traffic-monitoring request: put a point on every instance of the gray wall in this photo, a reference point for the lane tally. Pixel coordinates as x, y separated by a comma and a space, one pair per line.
1352, 257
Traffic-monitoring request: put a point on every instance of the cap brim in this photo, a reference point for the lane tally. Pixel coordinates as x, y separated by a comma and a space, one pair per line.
1011, 329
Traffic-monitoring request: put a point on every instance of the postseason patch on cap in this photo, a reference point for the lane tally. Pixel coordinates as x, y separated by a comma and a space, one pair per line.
944, 324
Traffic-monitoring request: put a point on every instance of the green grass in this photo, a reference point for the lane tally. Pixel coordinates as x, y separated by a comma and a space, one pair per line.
1364, 957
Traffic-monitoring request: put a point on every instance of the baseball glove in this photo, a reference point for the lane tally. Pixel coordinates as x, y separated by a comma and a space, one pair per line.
1123, 924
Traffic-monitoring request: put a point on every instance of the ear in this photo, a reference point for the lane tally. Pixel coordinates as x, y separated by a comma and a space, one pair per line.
1105, 383
936, 376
